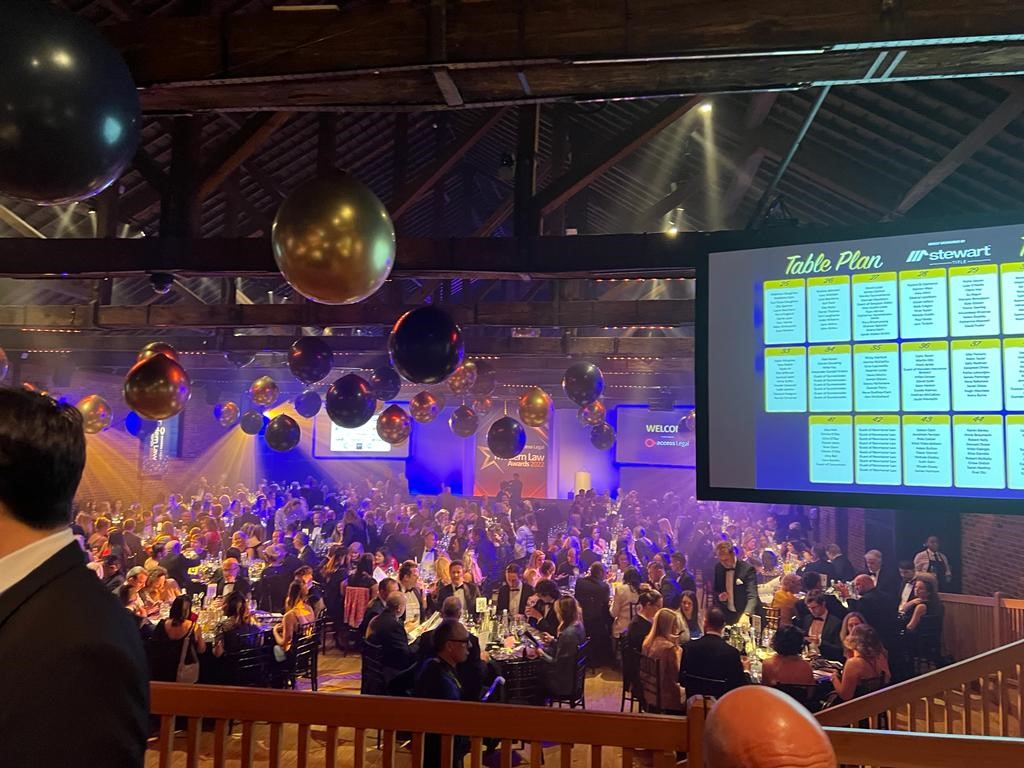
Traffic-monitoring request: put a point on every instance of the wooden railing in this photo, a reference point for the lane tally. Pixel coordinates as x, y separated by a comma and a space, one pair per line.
974, 624
855, 746
980, 696
321, 729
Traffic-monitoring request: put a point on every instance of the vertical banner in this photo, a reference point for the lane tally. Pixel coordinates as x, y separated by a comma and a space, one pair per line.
531, 465
156, 448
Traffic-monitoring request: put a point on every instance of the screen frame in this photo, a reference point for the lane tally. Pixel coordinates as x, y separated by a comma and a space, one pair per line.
357, 456
716, 242
683, 409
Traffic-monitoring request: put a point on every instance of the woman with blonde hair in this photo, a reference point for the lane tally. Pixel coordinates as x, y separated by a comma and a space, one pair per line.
535, 561
850, 620
785, 599
662, 645
867, 669
531, 577
442, 578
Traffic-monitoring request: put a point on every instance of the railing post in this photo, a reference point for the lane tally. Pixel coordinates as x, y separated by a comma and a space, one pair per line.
696, 711
997, 619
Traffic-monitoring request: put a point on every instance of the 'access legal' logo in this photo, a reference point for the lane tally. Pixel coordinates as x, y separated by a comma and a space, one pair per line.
950, 254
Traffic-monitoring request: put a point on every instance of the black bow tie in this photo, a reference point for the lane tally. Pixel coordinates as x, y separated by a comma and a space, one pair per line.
730, 569
455, 589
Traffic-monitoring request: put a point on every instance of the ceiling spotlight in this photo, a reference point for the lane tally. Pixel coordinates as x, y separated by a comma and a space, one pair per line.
705, 108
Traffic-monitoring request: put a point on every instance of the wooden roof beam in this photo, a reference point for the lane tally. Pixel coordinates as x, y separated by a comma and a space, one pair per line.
993, 124
244, 144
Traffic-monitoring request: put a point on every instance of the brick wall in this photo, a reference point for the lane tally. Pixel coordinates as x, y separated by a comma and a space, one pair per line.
992, 547
855, 546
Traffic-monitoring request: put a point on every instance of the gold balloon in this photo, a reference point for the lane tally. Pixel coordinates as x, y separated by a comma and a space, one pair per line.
394, 425
482, 405
264, 391
425, 407
96, 414
333, 240
158, 348
228, 413
463, 378
535, 407
593, 414
157, 388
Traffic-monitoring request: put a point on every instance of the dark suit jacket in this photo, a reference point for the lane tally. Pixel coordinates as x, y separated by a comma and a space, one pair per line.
242, 586
308, 557
889, 581
878, 610
469, 672
594, 599
503, 598
177, 568
831, 646
134, 543
472, 593
744, 594
712, 657
272, 588
686, 581
671, 594
561, 674
843, 568
388, 632
89, 661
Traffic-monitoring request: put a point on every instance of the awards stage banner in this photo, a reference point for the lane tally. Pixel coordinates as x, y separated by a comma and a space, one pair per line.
531, 465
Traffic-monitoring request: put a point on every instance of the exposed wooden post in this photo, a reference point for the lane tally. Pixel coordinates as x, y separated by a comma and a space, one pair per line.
696, 713
997, 618
526, 216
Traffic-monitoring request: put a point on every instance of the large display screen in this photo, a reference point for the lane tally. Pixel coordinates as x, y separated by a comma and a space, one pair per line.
887, 366
651, 437
333, 442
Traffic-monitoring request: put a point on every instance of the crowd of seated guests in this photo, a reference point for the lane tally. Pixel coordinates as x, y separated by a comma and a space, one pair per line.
620, 561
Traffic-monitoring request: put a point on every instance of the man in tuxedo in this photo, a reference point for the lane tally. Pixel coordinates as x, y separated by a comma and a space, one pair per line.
678, 570
907, 575
230, 579
467, 592
471, 671
513, 594
92, 660
842, 568
133, 543
515, 488
821, 625
594, 596
305, 553
376, 607
388, 631
885, 577
819, 565
876, 607
415, 602
664, 583
272, 588
177, 565
712, 658
735, 585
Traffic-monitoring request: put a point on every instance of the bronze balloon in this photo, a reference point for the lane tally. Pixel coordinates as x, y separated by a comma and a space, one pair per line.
96, 414
333, 240
394, 425
535, 407
482, 405
486, 378
157, 388
592, 415
689, 422
264, 391
425, 407
158, 348
227, 413
464, 421
463, 379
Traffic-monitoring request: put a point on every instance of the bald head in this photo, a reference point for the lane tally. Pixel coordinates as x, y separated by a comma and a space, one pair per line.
396, 602
759, 727
863, 584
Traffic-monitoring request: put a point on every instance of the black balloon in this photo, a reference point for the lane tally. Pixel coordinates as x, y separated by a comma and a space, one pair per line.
486, 378
386, 383
283, 433
583, 383
602, 437
350, 402
71, 116
506, 438
426, 345
310, 359
307, 404
464, 421
252, 422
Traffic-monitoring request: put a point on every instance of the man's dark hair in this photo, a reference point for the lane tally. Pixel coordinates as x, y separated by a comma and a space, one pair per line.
816, 596
547, 588
513, 568
820, 553
444, 632
905, 565
406, 569
597, 570
714, 618
810, 580
788, 641
42, 454
384, 586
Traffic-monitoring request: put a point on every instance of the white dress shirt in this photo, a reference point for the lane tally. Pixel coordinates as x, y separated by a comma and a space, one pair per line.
514, 596
20, 563
730, 586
